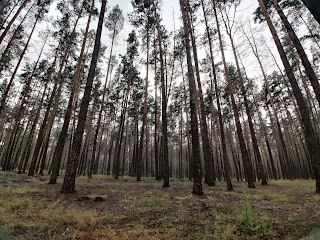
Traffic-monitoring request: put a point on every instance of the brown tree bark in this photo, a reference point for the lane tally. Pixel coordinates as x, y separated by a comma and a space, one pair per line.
197, 170
165, 156
56, 162
312, 139
72, 164
244, 152
221, 125
6, 30
303, 56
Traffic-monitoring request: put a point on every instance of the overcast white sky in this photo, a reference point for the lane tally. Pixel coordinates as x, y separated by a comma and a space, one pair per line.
171, 8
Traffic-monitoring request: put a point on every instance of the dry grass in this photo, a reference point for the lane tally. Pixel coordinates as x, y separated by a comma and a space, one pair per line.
31, 209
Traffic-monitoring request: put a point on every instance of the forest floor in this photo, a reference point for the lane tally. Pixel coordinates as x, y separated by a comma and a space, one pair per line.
127, 209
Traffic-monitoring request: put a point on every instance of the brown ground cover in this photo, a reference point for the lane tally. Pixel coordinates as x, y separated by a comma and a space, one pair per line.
103, 208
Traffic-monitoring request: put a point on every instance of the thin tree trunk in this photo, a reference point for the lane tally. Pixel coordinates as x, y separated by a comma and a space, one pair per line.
6, 30
206, 148
165, 155
197, 170
6, 92
30, 141
221, 125
304, 59
8, 47
244, 152
156, 142
144, 117
312, 139
93, 158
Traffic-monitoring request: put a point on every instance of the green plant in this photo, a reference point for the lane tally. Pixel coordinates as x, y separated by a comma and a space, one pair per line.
248, 220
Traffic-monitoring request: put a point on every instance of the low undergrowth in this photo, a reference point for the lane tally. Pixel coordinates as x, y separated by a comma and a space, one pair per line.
144, 210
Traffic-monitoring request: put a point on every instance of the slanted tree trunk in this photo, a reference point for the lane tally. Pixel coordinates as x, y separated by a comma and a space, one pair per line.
30, 141
260, 167
312, 139
3, 5
244, 152
6, 30
72, 164
57, 157
6, 92
8, 47
19, 115
303, 56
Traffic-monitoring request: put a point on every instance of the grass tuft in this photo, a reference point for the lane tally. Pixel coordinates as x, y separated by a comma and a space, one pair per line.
73, 217
15, 204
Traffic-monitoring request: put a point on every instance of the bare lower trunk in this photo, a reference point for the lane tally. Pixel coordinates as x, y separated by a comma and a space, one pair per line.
72, 164
244, 152
197, 170
165, 156
57, 157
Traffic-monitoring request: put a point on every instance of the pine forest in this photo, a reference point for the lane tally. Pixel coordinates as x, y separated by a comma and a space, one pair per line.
160, 119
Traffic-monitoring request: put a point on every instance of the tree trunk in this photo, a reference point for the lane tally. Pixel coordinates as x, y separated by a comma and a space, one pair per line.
72, 164
206, 148
55, 95
31, 134
304, 59
221, 125
197, 170
165, 155
144, 117
7, 49
19, 114
313, 142
93, 158
6, 30
6, 92
187, 128
156, 135
244, 152
56, 162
